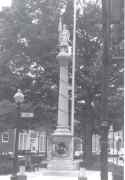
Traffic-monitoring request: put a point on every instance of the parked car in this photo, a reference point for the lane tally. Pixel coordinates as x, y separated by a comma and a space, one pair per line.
122, 154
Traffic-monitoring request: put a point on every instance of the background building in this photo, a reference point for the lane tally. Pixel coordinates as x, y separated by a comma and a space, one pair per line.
29, 141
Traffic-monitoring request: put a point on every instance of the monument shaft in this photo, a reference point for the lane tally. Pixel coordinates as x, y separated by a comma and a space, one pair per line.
63, 107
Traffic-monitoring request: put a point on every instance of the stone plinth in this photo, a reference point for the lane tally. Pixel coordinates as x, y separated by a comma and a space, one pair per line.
61, 143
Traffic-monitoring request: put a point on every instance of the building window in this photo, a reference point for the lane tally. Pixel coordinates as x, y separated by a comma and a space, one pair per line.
5, 137
42, 143
24, 141
34, 142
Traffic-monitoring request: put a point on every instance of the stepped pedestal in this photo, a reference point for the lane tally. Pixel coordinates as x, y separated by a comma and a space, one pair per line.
61, 150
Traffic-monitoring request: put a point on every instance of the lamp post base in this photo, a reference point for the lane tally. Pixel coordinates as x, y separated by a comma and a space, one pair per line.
18, 177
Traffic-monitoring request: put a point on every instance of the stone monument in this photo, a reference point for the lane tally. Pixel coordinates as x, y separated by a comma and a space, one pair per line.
60, 149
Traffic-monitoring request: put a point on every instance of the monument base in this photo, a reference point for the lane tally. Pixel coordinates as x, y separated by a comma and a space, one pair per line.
61, 150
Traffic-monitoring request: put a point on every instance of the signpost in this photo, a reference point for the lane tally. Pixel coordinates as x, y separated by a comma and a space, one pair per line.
27, 115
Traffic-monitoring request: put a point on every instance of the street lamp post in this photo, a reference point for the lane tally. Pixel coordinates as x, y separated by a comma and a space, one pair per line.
19, 98
105, 70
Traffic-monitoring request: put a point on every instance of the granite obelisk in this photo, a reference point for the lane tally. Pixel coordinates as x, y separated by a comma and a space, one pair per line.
61, 157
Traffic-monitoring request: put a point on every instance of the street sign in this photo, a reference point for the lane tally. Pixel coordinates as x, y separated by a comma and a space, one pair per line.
27, 114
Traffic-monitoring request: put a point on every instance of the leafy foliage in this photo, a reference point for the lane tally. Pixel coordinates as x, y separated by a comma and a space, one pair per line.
28, 44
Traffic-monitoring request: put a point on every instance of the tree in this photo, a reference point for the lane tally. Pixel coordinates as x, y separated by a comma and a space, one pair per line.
28, 50
89, 78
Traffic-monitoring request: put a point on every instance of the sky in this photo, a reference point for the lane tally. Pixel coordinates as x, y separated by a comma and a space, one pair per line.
5, 3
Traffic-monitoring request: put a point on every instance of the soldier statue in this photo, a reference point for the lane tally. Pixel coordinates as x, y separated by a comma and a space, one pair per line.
64, 37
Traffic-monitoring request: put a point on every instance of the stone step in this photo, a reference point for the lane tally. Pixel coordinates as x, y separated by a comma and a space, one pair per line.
62, 165
72, 173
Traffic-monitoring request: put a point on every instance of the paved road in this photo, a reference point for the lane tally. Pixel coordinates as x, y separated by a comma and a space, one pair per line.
91, 175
